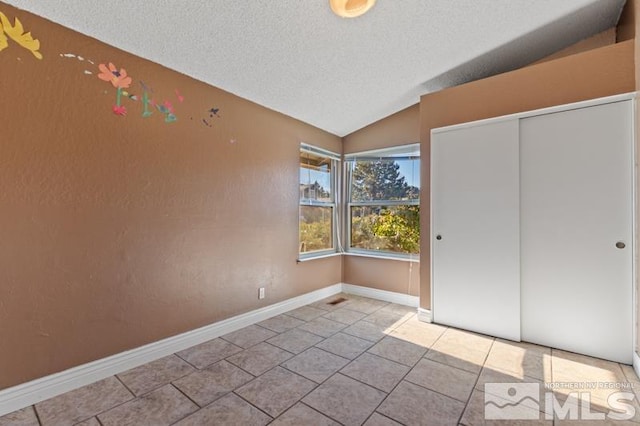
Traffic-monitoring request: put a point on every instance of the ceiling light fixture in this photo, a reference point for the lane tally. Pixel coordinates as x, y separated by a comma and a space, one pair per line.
351, 8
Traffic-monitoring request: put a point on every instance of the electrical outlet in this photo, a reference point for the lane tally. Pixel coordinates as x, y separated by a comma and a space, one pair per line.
261, 293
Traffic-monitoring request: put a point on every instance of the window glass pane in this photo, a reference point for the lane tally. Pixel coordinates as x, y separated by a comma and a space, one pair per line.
316, 228
385, 179
394, 228
315, 177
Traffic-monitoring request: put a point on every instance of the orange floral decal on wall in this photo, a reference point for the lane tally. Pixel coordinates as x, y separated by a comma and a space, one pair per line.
119, 80
17, 34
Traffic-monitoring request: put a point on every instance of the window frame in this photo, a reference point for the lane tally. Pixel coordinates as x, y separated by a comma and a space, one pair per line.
402, 152
333, 204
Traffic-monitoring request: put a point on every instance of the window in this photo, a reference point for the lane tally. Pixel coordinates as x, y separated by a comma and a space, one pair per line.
317, 201
384, 201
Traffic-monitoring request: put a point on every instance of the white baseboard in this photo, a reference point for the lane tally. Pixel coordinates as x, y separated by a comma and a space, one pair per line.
636, 363
26, 394
387, 296
424, 315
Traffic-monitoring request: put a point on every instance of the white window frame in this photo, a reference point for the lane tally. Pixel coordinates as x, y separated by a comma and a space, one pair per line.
410, 151
334, 204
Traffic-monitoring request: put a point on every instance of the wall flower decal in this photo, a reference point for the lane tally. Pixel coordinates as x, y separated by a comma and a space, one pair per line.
17, 34
121, 80
167, 109
119, 110
118, 79
4, 43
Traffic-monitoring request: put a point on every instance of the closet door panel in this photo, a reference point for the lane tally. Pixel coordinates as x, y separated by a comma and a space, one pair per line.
576, 216
475, 228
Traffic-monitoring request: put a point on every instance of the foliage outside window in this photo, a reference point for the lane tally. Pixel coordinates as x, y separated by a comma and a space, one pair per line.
384, 201
317, 201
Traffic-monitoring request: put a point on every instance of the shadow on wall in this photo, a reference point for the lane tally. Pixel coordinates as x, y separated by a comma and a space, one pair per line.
528, 48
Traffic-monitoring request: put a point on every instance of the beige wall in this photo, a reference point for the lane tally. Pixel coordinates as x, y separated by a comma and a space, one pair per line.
383, 274
596, 73
601, 39
399, 276
120, 231
400, 128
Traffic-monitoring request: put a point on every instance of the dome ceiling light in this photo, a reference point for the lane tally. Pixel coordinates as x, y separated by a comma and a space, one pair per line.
351, 8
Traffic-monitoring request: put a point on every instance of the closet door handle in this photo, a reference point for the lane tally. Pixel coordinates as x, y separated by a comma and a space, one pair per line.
620, 245
438, 237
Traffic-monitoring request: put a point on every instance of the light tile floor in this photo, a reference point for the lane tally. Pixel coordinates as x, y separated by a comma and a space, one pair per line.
361, 361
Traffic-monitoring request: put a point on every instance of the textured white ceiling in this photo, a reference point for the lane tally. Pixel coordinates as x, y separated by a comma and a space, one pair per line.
296, 57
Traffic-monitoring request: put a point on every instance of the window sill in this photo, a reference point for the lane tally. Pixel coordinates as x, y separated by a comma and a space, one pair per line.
356, 254
415, 259
319, 256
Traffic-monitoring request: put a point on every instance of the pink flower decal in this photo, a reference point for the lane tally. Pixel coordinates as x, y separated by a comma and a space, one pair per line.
119, 110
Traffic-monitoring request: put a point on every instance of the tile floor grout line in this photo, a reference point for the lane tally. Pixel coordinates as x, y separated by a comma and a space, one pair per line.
320, 349
237, 366
300, 401
361, 382
309, 331
438, 339
375, 410
317, 411
331, 353
135, 397
458, 368
466, 405
132, 392
37, 415
316, 386
251, 404
189, 414
385, 416
176, 354
187, 396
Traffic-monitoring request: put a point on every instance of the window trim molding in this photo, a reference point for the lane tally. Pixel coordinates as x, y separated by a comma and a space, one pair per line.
386, 255
401, 152
336, 159
408, 151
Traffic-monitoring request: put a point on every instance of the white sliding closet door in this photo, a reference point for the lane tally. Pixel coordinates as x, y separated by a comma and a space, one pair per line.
475, 228
576, 230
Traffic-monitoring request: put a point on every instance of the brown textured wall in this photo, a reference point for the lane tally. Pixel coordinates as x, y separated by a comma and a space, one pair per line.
399, 276
383, 274
626, 29
600, 72
120, 231
400, 128
604, 38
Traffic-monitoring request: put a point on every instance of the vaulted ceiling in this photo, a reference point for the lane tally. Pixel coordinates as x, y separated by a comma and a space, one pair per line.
297, 57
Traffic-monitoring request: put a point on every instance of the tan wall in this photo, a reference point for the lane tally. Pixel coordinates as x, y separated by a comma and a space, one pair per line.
600, 72
120, 231
383, 274
627, 23
399, 276
604, 38
400, 128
